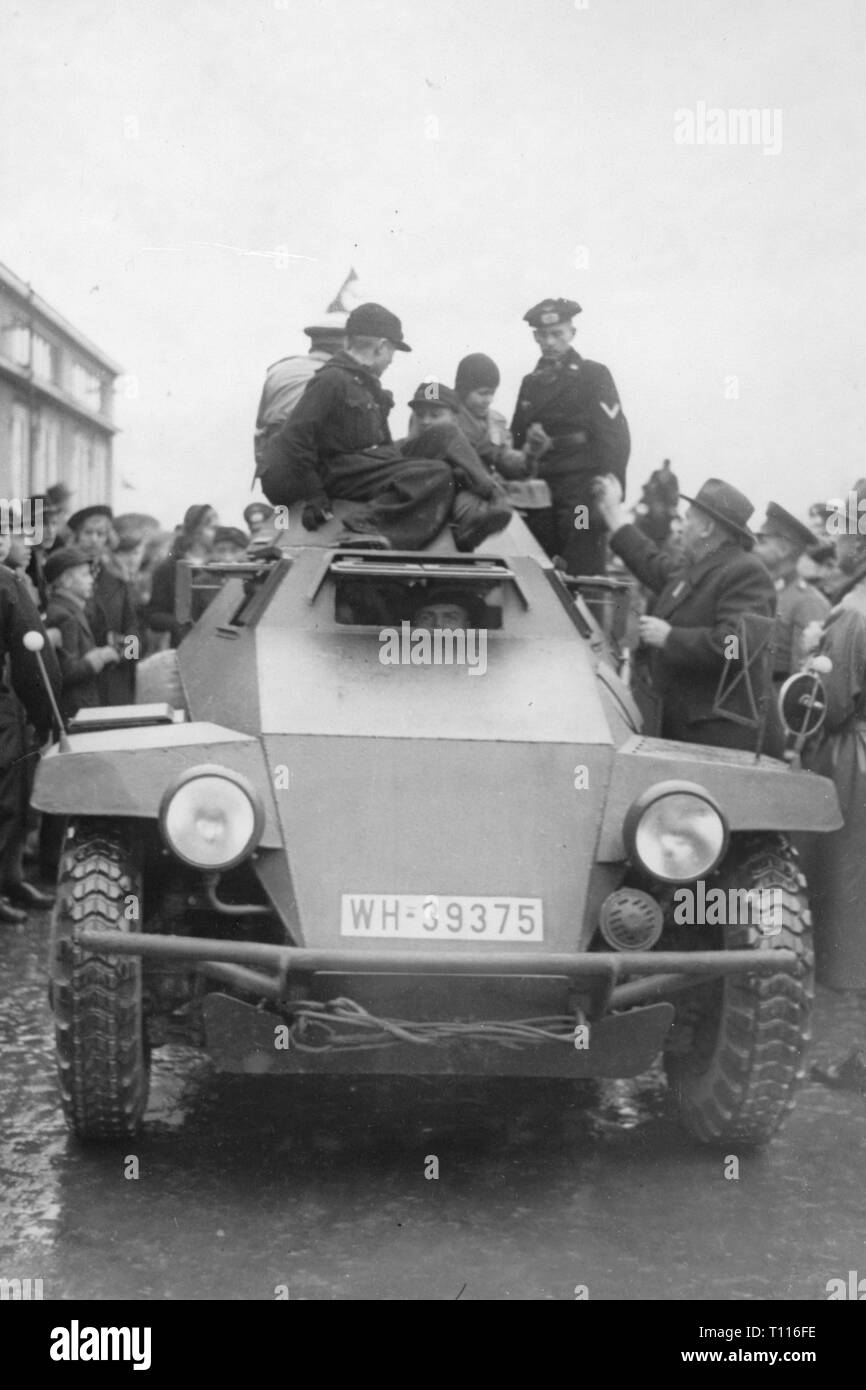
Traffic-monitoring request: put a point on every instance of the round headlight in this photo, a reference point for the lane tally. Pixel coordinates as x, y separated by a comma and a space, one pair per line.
211, 818
676, 832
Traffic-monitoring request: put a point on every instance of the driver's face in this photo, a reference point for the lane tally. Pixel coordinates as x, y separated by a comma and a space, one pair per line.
436, 617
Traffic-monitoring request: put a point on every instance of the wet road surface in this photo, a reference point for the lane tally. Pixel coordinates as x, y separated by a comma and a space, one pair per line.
316, 1187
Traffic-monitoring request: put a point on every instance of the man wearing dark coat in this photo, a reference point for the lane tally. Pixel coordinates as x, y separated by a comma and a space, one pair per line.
781, 541
569, 407
697, 610
20, 681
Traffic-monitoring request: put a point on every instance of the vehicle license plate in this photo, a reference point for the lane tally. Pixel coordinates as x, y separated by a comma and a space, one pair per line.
419, 917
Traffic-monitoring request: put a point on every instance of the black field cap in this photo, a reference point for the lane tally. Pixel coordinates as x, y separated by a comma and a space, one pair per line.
77, 520
374, 321
550, 312
434, 393
69, 558
725, 504
782, 523
230, 535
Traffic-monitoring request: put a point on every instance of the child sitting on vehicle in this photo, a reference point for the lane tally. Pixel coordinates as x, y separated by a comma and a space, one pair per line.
480, 507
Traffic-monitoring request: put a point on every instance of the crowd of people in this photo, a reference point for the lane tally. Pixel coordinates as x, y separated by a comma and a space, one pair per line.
101, 589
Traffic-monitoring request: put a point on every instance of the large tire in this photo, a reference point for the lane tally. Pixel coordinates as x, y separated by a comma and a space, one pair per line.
102, 1056
741, 1041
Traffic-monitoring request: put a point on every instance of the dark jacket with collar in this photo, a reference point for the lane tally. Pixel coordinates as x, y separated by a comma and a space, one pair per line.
80, 688
19, 671
111, 609
704, 603
571, 397
344, 410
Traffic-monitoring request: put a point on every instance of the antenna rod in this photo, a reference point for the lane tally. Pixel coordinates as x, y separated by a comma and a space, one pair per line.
34, 642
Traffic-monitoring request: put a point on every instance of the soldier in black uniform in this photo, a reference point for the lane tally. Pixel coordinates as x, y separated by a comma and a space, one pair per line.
20, 680
570, 407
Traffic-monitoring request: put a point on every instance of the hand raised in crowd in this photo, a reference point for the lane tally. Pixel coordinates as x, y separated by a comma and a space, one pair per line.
653, 631
537, 438
538, 441
608, 501
101, 657
810, 639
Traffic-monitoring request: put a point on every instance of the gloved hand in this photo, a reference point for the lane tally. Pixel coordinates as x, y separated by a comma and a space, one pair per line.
538, 441
315, 514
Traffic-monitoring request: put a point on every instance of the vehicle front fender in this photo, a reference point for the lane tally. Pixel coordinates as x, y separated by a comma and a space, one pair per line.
125, 772
753, 795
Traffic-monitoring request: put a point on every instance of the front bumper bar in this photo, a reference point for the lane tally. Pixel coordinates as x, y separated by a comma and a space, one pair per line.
603, 969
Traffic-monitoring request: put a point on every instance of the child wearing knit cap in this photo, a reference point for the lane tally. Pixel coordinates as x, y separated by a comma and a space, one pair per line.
476, 384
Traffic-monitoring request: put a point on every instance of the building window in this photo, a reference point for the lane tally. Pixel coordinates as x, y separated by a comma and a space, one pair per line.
79, 480
101, 471
46, 452
86, 387
19, 453
15, 343
52, 450
44, 358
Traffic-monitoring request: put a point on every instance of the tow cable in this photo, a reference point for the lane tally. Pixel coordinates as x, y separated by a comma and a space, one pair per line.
344, 1024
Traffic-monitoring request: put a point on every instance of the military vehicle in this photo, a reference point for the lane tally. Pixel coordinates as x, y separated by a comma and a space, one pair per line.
346, 849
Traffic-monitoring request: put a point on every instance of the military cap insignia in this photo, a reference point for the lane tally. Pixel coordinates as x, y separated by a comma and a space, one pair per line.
611, 411
551, 311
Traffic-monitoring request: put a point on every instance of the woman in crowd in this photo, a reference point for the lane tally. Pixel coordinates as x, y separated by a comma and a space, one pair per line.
111, 608
194, 542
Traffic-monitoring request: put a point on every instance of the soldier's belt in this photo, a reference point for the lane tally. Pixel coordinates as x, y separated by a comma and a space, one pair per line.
576, 437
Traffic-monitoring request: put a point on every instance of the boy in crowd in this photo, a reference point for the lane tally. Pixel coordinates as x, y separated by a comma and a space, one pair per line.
70, 581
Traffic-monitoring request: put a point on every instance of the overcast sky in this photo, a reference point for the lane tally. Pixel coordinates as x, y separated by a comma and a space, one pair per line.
468, 157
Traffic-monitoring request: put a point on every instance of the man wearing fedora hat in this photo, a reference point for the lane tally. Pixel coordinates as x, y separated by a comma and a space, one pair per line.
698, 607
780, 543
